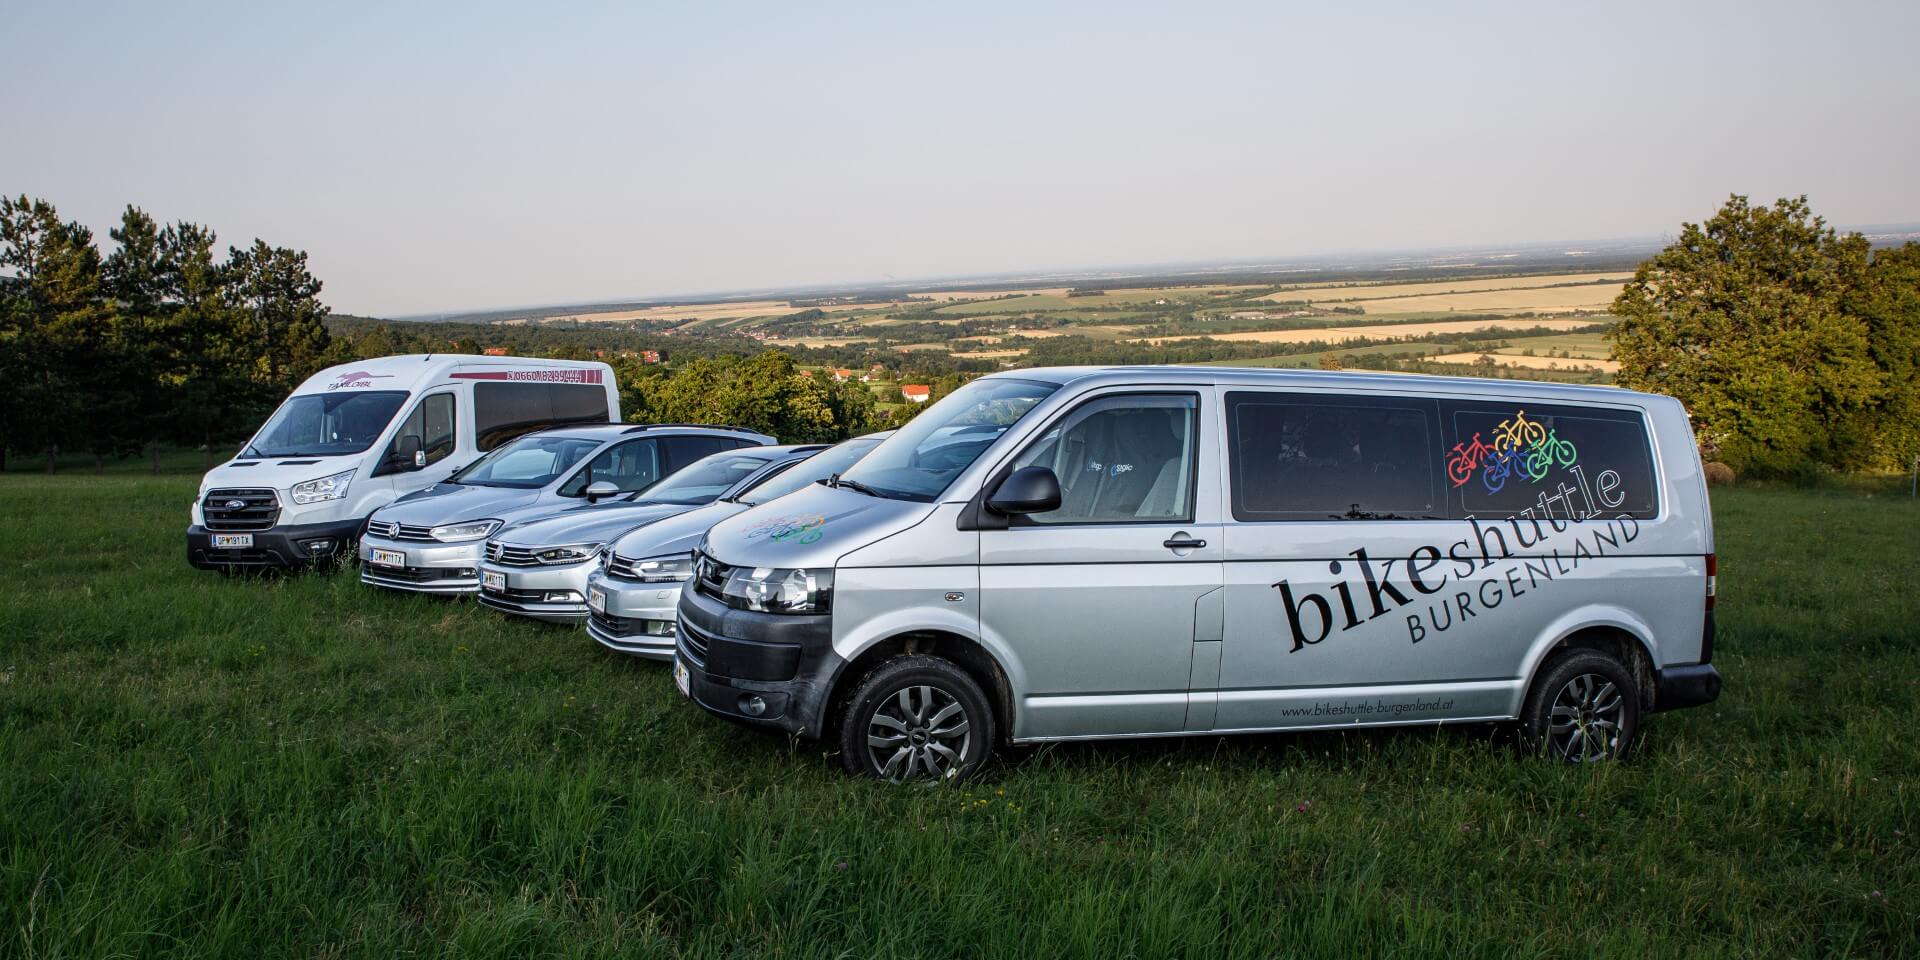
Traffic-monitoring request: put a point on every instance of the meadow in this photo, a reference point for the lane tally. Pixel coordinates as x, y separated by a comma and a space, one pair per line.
199, 766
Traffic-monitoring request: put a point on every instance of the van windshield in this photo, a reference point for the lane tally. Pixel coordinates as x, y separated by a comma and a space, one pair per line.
919, 461
527, 463
326, 424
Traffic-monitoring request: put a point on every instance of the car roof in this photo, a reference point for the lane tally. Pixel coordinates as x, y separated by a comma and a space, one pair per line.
1401, 383
609, 431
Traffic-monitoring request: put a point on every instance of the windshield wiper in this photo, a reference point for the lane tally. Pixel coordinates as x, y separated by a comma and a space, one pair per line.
837, 481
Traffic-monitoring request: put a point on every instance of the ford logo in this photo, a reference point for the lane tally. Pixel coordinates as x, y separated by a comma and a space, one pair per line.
234, 504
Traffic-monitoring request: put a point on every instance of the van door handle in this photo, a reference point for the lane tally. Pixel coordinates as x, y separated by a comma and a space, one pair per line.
1183, 543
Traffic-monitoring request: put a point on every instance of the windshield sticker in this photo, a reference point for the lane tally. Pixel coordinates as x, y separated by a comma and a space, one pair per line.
358, 378
1520, 447
1434, 588
793, 528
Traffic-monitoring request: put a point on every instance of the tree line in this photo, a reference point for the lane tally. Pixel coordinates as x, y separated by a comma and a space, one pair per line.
1795, 348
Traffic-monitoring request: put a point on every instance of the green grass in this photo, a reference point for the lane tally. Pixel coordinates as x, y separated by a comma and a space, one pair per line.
197, 766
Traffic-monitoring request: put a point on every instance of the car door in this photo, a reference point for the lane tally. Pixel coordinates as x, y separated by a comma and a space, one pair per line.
1097, 600
434, 422
631, 465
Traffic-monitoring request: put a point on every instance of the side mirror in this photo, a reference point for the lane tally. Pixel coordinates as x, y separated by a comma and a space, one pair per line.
407, 452
1026, 490
601, 489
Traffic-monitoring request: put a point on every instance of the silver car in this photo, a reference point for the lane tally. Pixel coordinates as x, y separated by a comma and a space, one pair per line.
636, 588
538, 568
430, 541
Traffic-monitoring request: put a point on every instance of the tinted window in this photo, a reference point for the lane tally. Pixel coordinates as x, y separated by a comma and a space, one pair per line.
632, 466
502, 411
326, 424
1556, 460
1296, 456
1120, 459
684, 450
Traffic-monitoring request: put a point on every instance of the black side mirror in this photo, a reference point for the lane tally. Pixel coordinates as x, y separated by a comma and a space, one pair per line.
1026, 490
407, 454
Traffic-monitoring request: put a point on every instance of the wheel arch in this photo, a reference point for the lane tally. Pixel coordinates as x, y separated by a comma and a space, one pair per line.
1614, 632
968, 654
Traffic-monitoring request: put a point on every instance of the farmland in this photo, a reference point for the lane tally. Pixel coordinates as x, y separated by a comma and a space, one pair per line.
196, 766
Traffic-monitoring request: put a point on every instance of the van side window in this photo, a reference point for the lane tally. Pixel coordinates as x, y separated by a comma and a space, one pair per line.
1300, 457
432, 421
503, 411
632, 466
1554, 460
1120, 459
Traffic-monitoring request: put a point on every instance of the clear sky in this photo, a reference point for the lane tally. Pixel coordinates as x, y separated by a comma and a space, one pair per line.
440, 156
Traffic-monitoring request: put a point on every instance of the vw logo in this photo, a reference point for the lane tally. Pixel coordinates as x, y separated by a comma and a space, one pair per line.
234, 504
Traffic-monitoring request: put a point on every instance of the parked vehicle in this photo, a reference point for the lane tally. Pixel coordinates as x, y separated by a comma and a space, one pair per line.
430, 542
356, 437
1076, 553
636, 588
538, 568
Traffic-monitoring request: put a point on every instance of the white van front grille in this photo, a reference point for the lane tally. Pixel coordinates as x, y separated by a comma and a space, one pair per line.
240, 509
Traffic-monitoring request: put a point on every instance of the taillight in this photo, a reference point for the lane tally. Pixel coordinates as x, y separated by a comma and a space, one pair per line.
1713, 571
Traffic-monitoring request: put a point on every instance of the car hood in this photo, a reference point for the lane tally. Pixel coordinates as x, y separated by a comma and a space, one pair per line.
811, 527
596, 523
453, 503
675, 534
278, 473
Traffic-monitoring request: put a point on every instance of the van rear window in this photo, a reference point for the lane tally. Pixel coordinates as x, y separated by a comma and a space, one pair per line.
1315, 456
1555, 460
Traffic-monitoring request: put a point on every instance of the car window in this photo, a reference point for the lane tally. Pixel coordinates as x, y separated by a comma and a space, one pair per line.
1120, 459
528, 462
826, 463
632, 466
922, 459
1297, 456
432, 421
707, 479
1509, 458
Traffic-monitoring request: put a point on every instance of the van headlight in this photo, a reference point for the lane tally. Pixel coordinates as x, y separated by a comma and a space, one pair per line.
461, 532
779, 589
570, 553
671, 569
323, 489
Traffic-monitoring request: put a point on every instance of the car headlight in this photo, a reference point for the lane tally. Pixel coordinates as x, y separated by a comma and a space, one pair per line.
779, 589
570, 553
460, 532
323, 489
670, 569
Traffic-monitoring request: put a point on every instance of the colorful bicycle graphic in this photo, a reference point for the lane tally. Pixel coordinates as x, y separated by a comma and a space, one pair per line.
1526, 447
804, 528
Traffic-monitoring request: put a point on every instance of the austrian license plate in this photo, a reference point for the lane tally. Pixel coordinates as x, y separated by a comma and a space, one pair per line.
387, 558
597, 600
680, 678
232, 541
493, 580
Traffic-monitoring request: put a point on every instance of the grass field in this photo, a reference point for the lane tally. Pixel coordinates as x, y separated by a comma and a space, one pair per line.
1384, 331
1333, 293
193, 766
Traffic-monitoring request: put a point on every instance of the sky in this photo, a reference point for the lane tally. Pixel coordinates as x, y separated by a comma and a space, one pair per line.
436, 157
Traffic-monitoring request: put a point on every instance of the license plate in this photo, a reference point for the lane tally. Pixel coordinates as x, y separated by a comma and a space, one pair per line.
493, 580
232, 541
387, 558
597, 600
680, 678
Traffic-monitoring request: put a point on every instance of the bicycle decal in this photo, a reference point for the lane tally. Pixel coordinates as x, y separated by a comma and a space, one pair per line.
1527, 448
804, 528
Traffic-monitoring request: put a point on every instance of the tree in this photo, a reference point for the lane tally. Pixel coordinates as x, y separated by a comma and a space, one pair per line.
62, 348
1888, 434
283, 301
1743, 319
1329, 361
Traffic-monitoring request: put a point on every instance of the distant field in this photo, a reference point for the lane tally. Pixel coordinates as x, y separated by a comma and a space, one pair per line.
1328, 293
1510, 359
1383, 331
1586, 298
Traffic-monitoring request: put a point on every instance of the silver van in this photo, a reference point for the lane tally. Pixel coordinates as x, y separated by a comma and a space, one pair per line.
538, 568
430, 540
1080, 553
635, 591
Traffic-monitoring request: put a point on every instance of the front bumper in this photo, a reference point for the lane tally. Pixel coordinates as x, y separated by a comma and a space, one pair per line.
638, 619
429, 568
528, 590
765, 669
292, 545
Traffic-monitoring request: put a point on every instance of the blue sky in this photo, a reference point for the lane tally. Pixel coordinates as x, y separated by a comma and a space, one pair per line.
441, 156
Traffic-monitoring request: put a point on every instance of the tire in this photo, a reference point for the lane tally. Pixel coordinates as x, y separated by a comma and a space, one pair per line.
916, 719
1584, 709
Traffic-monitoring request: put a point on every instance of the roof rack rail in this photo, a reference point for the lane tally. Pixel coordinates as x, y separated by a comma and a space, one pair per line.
644, 427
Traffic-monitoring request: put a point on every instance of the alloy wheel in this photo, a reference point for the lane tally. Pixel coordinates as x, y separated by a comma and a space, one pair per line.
1584, 725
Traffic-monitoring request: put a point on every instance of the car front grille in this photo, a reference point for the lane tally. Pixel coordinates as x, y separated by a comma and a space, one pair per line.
389, 530
693, 643
241, 509
508, 556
